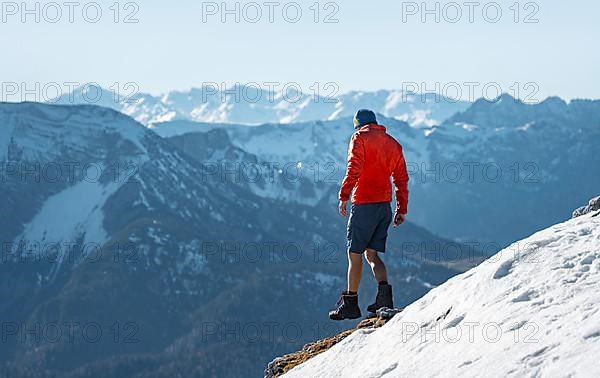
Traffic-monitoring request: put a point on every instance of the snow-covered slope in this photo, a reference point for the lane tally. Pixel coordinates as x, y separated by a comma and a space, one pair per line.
531, 310
253, 105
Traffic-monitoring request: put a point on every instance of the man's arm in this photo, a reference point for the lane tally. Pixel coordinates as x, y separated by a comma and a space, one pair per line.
400, 178
356, 159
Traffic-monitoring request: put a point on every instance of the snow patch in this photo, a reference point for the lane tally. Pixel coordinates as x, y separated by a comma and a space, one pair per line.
74, 213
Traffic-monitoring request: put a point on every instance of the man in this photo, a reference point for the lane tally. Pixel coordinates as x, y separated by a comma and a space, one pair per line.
373, 157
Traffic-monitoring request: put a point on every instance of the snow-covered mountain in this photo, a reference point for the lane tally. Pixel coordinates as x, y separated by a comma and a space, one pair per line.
307, 160
104, 219
108, 224
248, 104
534, 160
523, 167
522, 156
532, 310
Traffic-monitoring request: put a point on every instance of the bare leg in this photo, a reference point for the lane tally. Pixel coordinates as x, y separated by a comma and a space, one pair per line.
354, 270
377, 265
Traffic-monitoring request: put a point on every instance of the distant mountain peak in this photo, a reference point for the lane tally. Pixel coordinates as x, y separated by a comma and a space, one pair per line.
503, 100
554, 104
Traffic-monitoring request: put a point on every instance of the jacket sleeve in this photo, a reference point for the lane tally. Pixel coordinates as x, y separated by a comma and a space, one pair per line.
356, 159
400, 178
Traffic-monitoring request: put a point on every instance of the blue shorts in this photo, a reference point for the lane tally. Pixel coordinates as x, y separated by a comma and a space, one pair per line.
368, 226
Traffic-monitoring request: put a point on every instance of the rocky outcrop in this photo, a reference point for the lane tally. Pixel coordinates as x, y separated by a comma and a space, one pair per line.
593, 205
281, 365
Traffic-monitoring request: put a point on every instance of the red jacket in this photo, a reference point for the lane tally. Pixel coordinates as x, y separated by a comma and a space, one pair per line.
374, 156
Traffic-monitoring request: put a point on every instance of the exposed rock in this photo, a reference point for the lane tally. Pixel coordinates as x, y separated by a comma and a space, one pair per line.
593, 205
388, 313
281, 365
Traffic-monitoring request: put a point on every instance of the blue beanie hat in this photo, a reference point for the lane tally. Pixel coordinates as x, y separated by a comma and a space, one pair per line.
364, 117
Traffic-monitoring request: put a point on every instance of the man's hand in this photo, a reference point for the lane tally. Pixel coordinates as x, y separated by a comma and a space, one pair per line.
399, 219
342, 208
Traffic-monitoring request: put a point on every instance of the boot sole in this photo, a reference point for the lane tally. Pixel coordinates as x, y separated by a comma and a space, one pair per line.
346, 318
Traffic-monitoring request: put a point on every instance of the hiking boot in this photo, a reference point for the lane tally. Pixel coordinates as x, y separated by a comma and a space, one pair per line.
347, 308
383, 299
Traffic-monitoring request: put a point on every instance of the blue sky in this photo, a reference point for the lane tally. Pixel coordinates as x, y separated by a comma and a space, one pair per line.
371, 47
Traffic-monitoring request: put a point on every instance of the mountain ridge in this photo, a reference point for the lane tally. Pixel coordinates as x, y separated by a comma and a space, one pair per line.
235, 105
